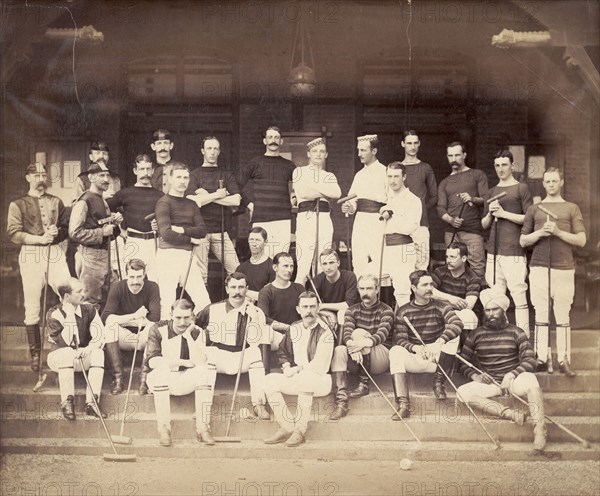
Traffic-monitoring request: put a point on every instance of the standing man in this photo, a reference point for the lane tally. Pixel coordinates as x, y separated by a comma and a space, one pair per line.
258, 269
137, 202
38, 222
162, 145
304, 355
278, 299
181, 229
420, 180
93, 226
506, 263
402, 216
313, 184
460, 202
133, 305
76, 331
98, 151
176, 353
366, 328
553, 239
370, 186
212, 199
226, 323
439, 327
266, 183
507, 361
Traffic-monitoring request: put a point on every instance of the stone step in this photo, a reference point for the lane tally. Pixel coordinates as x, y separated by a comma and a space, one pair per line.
17, 400
351, 428
313, 449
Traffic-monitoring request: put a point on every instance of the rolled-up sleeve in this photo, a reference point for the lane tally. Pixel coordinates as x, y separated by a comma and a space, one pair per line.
77, 231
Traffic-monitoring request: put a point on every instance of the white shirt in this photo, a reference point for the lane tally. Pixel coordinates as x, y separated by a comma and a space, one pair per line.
311, 182
370, 183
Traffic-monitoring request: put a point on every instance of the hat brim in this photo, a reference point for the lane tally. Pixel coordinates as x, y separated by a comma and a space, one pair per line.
110, 171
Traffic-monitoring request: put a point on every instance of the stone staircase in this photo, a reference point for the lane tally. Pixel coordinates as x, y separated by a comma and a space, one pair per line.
33, 423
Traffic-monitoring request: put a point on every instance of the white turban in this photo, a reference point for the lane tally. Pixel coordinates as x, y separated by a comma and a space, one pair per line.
493, 298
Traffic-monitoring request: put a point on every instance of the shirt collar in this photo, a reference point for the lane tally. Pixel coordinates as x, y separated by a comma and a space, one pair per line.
69, 308
206, 164
230, 308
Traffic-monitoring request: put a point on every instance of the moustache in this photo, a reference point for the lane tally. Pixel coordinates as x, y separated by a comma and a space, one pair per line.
454, 164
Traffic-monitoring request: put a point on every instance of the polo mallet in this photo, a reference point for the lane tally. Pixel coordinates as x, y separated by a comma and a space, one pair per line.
118, 257
585, 443
462, 208
390, 403
121, 439
384, 219
315, 257
348, 237
312, 284
187, 272
555, 217
41, 376
114, 456
227, 438
150, 218
492, 199
459, 396
221, 185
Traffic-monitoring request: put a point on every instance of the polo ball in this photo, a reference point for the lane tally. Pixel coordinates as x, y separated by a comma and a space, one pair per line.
405, 464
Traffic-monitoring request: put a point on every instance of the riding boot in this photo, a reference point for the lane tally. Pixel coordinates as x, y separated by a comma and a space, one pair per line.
446, 362
34, 340
113, 353
536, 408
340, 383
362, 389
400, 384
494, 409
265, 351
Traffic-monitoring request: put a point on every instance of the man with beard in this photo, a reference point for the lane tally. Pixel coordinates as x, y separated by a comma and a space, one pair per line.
162, 145
439, 328
366, 328
370, 186
92, 225
506, 263
266, 183
226, 323
176, 353
137, 202
460, 198
212, 199
420, 180
507, 361
38, 222
553, 240
313, 184
304, 356
258, 269
133, 305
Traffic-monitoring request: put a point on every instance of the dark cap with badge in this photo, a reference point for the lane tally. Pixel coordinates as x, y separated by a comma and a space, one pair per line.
161, 134
35, 168
100, 146
95, 167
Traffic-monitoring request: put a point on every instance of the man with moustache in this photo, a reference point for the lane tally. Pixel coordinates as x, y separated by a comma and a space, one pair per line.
313, 184
439, 328
181, 228
162, 144
137, 202
176, 353
92, 226
553, 241
38, 222
266, 184
133, 305
226, 323
98, 151
460, 202
507, 361
367, 325
420, 180
304, 356
213, 200
258, 269
506, 262
370, 186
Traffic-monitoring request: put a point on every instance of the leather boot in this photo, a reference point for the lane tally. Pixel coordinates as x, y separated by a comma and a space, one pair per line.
204, 436
535, 399
68, 409
362, 389
265, 351
340, 382
34, 340
91, 411
143, 389
164, 435
565, 368
494, 409
113, 353
447, 363
400, 384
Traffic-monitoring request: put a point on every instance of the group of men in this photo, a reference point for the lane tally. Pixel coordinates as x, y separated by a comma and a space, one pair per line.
141, 272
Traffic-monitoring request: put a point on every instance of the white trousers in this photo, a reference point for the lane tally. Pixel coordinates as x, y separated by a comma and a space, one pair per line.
523, 382
306, 230
64, 363
212, 242
367, 235
402, 360
145, 250
421, 240
399, 261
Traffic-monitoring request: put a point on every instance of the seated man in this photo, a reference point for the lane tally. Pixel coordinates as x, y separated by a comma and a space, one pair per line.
177, 356
304, 355
226, 323
366, 327
132, 305
457, 284
75, 331
278, 299
337, 288
507, 361
439, 328
259, 267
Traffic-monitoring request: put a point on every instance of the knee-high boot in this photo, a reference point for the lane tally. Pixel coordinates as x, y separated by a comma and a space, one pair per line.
362, 389
265, 351
340, 382
113, 353
446, 362
400, 384
536, 408
495, 409
34, 340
